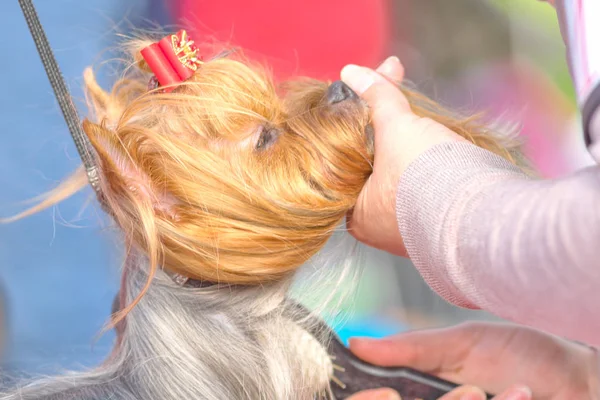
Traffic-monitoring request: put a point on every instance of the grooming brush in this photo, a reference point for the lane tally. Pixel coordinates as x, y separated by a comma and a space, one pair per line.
352, 375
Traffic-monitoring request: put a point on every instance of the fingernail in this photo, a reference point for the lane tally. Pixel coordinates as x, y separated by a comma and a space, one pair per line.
520, 393
388, 65
472, 393
358, 78
377, 394
392, 396
472, 396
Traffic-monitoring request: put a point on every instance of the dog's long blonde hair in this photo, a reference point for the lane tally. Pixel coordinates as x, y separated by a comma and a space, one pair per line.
196, 189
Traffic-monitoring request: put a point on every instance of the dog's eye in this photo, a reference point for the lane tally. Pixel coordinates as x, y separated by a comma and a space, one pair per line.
266, 138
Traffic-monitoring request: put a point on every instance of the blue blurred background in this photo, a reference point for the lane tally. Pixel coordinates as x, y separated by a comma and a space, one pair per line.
59, 269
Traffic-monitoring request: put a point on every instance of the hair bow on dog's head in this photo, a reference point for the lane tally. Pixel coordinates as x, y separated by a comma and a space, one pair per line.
173, 59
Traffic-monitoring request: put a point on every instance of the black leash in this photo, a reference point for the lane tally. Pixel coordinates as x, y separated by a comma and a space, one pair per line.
61, 92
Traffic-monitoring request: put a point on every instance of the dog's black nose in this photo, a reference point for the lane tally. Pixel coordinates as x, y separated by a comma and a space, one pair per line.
338, 91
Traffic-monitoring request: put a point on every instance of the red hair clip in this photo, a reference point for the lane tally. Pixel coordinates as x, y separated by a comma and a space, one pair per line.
173, 59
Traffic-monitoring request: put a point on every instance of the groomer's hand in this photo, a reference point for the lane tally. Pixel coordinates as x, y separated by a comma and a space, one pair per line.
400, 137
493, 357
461, 393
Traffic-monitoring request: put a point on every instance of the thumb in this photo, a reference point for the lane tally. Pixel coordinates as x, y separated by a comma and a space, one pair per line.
385, 99
429, 350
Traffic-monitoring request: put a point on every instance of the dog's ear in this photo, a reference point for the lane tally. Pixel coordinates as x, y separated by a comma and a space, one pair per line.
120, 172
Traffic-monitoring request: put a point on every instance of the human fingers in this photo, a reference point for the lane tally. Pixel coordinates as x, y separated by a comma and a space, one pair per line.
376, 394
392, 69
384, 98
515, 393
465, 393
427, 350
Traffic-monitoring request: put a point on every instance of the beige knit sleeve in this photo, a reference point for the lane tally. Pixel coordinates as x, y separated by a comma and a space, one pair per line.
484, 235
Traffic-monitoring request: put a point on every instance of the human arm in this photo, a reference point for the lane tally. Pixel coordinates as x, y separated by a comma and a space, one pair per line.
485, 236
481, 232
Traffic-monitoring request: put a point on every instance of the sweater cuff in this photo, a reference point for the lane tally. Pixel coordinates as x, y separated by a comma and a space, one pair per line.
431, 199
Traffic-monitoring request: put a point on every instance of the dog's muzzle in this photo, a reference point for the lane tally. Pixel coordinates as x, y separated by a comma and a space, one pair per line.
338, 91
